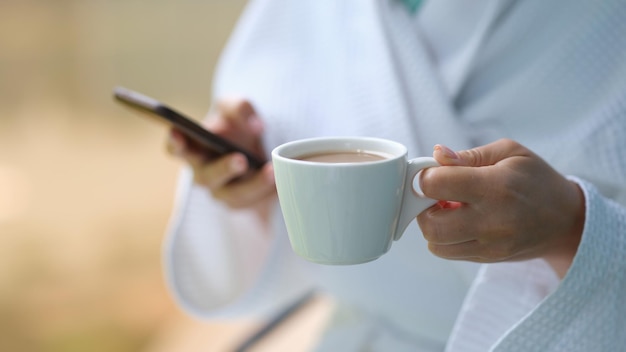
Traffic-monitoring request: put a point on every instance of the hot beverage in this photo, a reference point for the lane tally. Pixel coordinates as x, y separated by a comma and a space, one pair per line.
338, 157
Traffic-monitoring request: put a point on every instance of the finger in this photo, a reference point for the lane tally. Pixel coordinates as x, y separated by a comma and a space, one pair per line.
445, 204
476, 252
176, 143
468, 251
446, 156
457, 183
219, 172
489, 154
236, 113
178, 146
445, 226
257, 187
236, 120
456, 234
457, 251
235, 108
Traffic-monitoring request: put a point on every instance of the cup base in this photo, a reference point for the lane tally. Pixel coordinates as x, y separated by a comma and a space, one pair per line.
334, 262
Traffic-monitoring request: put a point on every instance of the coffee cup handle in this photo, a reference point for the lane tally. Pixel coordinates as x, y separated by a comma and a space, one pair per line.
413, 203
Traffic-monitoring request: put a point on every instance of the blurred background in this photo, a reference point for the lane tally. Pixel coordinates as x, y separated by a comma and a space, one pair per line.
86, 188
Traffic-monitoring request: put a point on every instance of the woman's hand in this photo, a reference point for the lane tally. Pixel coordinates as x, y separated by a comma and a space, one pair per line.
229, 178
501, 202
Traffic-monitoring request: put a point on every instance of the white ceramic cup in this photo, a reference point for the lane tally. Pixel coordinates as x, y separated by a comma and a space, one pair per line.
347, 213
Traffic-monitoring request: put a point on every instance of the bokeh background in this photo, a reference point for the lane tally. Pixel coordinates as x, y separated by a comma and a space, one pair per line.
86, 188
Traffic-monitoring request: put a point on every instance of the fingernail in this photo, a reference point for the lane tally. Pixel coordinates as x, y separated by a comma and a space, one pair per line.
447, 152
255, 124
238, 163
178, 146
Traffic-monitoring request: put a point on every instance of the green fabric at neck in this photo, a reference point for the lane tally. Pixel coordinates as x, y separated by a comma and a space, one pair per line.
412, 5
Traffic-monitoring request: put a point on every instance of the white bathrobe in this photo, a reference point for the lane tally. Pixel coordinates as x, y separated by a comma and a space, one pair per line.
550, 74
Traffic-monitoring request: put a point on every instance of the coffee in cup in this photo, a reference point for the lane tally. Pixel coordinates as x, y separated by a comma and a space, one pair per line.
349, 156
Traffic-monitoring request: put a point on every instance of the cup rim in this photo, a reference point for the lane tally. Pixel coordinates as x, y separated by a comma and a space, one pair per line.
290, 150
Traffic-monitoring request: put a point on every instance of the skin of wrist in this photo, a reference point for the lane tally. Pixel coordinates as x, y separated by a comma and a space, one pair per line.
564, 251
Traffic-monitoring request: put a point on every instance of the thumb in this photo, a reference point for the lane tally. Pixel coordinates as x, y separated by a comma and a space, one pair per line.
485, 155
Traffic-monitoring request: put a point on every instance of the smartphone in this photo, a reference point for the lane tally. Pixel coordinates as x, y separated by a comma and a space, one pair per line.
201, 139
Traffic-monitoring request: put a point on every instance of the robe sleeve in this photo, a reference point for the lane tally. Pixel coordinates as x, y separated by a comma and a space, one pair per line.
523, 306
587, 310
219, 264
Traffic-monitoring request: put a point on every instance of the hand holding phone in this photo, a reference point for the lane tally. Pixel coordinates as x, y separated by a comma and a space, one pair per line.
208, 143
